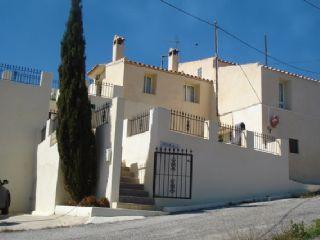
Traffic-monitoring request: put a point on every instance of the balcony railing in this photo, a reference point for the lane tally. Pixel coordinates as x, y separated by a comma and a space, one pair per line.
101, 90
139, 124
266, 143
230, 134
20, 74
100, 116
187, 123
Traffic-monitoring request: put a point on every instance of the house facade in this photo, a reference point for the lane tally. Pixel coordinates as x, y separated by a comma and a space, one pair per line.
161, 141
256, 95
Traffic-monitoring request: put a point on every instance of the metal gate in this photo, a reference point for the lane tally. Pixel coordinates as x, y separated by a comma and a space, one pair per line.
172, 176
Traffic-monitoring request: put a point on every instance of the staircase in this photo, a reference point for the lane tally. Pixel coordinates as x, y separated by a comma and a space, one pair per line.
132, 193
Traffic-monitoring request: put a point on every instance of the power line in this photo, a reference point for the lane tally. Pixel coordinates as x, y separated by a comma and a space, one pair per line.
246, 76
239, 39
187, 13
311, 4
305, 61
268, 55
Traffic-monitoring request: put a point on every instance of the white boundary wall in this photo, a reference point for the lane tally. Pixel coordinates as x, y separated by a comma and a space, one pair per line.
49, 186
24, 110
221, 172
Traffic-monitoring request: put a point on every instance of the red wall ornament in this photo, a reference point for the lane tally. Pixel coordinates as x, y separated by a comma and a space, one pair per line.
274, 121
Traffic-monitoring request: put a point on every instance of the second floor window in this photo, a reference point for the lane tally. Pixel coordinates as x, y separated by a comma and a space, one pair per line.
281, 96
148, 86
199, 72
189, 93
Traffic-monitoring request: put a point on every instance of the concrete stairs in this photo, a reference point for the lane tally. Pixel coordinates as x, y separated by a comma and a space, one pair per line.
132, 193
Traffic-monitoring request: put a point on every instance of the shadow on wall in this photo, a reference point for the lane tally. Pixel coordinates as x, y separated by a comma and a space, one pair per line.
103, 136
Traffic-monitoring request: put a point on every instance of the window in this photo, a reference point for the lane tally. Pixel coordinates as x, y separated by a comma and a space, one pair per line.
189, 93
281, 96
293, 145
148, 86
199, 72
98, 77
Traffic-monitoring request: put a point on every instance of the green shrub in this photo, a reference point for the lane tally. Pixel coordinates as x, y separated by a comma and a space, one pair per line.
298, 231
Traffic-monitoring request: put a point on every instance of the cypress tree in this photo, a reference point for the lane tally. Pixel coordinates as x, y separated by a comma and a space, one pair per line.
76, 142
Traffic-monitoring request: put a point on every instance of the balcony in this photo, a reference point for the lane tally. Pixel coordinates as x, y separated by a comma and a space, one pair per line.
20, 74
105, 90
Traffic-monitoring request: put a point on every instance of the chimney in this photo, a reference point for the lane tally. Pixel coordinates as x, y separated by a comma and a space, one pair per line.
173, 59
118, 48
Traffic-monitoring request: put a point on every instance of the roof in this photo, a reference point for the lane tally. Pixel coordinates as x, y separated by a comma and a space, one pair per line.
289, 73
168, 71
275, 69
94, 68
208, 80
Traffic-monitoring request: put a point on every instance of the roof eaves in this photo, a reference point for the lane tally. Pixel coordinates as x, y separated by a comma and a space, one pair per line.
289, 73
168, 71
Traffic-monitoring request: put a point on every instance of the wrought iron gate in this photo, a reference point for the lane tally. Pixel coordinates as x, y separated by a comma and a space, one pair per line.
172, 176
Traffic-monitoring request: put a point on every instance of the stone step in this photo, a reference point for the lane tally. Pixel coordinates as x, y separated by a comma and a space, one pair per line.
127, 174
133, 192
129, 180
124, 185
136, 206
137, 200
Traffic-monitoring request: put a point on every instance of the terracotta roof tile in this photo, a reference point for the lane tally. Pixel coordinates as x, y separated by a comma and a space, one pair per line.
168, 71
289, 73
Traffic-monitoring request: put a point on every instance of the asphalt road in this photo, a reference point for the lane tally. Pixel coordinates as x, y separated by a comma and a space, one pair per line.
257, 219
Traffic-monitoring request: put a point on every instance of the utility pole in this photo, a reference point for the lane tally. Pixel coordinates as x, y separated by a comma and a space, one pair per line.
266, 49
216, 64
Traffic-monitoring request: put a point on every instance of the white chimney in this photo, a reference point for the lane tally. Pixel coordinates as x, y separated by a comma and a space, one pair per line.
118, 48
173, 59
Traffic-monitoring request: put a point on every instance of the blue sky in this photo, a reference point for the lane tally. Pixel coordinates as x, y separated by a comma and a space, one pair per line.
31, 30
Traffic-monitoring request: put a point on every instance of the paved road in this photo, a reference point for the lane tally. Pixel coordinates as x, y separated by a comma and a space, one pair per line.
227, 223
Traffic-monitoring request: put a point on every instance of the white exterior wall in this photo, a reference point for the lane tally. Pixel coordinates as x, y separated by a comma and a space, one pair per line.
134, 159
251, 116
49, 180
221, 172
24, 110
103, 142
49, 185
304, 166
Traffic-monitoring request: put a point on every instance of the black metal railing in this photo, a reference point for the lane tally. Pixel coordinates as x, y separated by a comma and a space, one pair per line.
20, 74
139, 123
230, 134
266, 143
187, 123
100, 115
172, 174
101, 89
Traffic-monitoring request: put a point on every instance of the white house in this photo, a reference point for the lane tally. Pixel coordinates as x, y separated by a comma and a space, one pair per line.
167, 137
